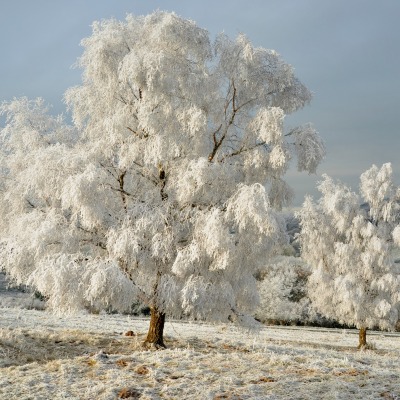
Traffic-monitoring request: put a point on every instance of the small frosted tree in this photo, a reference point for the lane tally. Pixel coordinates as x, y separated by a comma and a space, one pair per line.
169, 191
282, 290
349, 243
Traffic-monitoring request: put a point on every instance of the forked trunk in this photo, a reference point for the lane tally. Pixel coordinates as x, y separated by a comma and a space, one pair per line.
155, 335
362, 338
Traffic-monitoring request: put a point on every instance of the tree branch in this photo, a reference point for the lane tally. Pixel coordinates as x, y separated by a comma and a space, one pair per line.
121, 179
106, 168
218, 143
34, 207
243, 150
151, 178
141, 136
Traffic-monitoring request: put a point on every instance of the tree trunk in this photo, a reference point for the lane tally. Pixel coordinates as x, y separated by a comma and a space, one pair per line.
155, 335
362, 338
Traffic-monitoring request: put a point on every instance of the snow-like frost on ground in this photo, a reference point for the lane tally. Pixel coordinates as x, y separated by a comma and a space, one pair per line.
43, 356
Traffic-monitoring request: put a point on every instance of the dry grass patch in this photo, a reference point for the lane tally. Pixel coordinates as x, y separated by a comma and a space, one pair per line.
23, 346
263, 379
127, 393
19, 346
142, 370
228, 396
122, 363
350, 372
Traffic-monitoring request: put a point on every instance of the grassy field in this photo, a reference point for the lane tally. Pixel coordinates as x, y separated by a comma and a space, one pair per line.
43, 356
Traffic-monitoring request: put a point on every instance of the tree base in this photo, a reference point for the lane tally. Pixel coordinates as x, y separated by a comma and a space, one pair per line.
155, 335
362, 339
153, 346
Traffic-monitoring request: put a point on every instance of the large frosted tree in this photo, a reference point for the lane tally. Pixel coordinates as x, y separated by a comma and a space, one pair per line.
165, 188
350, 241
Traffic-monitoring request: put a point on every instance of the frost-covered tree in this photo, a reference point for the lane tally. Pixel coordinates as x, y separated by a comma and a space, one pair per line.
282, 290
349, 243
168, 194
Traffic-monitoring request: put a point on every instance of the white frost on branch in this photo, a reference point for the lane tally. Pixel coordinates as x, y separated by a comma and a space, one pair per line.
309, 147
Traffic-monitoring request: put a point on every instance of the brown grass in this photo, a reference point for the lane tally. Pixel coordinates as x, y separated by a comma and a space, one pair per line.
127, 393
18, 347
142, 370
263, 379
350, 372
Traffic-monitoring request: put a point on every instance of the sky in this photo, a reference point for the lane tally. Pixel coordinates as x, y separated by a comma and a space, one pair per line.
347, 52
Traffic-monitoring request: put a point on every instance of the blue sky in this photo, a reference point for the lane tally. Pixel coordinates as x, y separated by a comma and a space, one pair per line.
347, 52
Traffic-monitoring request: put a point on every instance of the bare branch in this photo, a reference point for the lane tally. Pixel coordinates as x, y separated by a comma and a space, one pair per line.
95, 243
121, 179
243, 150
106, 168
143, 136
150, 177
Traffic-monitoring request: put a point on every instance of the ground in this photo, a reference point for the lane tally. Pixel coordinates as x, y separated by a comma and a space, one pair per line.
43, 356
